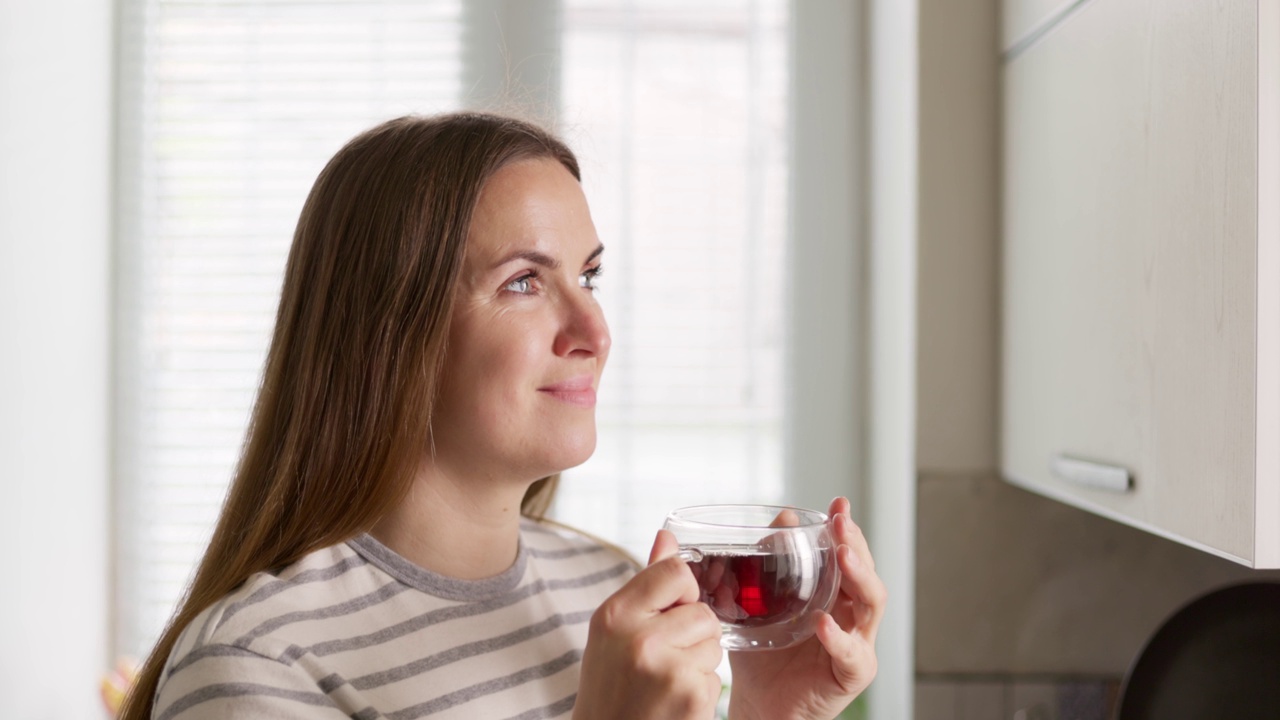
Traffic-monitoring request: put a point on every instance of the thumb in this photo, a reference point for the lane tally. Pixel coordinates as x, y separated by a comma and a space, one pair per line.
664, 546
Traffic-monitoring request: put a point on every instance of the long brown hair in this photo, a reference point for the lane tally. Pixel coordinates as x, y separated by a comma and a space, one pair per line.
344, 411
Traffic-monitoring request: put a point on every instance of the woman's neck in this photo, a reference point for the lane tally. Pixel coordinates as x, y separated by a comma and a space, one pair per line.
460, 528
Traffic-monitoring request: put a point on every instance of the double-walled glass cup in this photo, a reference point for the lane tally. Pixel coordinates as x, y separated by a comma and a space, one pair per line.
764, 569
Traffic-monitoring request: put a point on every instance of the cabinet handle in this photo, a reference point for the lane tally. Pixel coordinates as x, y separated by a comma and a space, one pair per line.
1092, 474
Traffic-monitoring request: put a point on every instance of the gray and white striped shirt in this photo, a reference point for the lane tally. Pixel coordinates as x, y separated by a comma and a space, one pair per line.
356, 631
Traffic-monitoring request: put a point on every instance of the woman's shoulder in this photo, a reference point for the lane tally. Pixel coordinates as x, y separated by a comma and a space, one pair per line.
270, 599
234, 658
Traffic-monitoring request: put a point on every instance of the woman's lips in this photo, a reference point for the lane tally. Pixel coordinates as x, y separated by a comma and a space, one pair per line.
576, 391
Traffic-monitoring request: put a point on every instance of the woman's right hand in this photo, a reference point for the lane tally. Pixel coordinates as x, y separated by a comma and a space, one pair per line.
652, 649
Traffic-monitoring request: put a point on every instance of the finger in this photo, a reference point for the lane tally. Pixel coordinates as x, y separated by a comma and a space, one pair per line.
853, 659
840, 506
847, 532
715, 686
786, 518
706, 655
859, 580
689, 626
722, 601
715, 572
699, 575
664, 545
860, 584
665, 583
779, 542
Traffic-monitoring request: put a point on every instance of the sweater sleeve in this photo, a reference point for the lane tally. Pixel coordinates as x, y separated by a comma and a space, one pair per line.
221, 681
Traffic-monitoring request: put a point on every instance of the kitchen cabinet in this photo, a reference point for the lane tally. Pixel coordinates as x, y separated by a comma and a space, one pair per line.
1024, 20
1141, 265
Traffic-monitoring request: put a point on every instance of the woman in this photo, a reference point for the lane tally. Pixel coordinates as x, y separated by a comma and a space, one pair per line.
380, 553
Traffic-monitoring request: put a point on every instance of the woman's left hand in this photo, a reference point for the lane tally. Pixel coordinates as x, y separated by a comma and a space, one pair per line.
819, 677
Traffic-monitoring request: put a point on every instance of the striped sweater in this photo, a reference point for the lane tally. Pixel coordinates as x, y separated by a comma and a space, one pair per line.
356, 631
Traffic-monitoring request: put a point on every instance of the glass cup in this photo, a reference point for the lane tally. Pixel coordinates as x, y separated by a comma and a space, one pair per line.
764, 569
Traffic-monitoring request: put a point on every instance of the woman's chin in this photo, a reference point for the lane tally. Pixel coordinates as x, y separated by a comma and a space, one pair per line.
572, 451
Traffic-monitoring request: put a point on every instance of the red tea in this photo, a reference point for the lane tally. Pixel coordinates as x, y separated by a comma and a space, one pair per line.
753, 587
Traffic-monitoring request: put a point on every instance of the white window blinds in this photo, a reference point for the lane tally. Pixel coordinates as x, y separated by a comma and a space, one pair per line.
230, 108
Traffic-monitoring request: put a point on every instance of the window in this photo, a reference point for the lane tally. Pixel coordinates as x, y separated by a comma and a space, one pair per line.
229, 108
679, 113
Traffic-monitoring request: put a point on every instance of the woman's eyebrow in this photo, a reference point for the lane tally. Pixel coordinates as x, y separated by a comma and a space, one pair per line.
532, 256
543, 259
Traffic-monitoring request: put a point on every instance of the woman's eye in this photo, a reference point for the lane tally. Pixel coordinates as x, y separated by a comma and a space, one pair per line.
522, 284
589, 278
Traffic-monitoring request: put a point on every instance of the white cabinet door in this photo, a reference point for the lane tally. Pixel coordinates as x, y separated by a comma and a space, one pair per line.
1023, 20
1131, 270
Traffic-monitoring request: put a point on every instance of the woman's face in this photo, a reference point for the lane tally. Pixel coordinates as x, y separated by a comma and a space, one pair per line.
528, 341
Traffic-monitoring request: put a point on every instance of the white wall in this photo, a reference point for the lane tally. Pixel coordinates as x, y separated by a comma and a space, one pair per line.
825, 360
891, 385
55, 129
959, 237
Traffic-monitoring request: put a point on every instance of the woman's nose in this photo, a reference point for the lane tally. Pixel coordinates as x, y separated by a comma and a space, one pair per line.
584, 330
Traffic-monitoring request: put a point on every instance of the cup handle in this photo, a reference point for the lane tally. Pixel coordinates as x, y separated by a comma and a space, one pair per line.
690, 554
